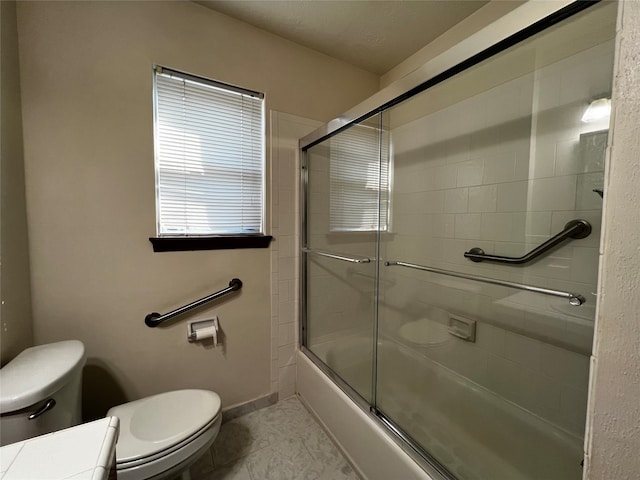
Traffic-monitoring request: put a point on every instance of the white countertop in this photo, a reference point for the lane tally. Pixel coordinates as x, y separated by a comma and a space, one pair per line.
83, 452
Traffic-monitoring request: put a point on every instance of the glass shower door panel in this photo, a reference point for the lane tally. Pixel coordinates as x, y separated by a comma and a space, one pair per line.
340, 238
491, 381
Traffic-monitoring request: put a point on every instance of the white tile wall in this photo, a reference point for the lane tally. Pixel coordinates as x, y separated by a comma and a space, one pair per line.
483, 198
512, 197
553, 193
286, 273
468, 226
500, 168
456, 200
284, 214
470, 173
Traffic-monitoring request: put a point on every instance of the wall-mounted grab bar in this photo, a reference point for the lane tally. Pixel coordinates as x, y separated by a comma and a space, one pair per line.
336, 256
154, 319
574, 229
574, 298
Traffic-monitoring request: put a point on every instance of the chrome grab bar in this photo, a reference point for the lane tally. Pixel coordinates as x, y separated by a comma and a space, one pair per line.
154, 319
574, 298
574, 229
335, 256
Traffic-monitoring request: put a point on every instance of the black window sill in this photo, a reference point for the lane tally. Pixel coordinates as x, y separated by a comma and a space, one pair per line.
220, 242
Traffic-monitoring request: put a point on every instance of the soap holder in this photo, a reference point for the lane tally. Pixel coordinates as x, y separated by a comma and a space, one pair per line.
463, 328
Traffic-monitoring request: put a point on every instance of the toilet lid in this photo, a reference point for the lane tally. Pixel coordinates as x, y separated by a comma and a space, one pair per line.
38, 372
153, 424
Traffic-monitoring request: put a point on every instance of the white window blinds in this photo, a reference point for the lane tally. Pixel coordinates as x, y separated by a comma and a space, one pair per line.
359, 173
209, 156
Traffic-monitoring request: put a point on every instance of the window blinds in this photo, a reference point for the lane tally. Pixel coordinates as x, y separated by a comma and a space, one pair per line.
209, 156
359, 174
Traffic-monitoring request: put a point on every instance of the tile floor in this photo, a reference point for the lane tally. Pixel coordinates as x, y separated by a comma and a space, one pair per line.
280, 442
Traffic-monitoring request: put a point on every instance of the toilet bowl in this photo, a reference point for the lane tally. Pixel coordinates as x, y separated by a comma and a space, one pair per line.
425, 332
160, 436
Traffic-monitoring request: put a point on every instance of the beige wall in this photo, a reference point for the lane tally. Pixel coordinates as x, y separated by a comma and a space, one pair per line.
478, 20
613, 429
16, 332
86, 86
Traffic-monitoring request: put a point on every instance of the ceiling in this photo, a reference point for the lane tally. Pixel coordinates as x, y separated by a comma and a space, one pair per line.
375, 35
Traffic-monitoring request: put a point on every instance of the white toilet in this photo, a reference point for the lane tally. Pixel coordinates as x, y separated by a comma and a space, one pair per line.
160, 436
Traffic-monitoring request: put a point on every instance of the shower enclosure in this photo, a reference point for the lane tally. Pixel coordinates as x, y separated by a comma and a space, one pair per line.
424, 292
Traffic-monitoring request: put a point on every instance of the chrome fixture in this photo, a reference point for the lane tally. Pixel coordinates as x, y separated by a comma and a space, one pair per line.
45, 407
336, 256
574, 298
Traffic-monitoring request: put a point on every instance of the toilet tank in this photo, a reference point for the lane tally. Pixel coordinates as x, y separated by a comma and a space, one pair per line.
40, 391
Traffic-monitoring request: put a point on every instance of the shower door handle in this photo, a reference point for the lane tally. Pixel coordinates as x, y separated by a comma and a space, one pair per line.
337, 256
574, 229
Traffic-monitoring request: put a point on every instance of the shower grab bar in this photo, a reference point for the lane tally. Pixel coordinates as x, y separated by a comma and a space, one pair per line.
335, 256
574, 229
154, 319
574, 298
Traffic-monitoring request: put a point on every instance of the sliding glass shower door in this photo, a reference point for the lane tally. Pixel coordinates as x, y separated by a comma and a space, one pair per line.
343, 176
451, 257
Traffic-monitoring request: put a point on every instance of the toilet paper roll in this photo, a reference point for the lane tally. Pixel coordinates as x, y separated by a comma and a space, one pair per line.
216, 327
207, 332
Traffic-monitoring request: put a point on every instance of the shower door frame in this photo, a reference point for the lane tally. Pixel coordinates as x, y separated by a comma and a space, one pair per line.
473, 51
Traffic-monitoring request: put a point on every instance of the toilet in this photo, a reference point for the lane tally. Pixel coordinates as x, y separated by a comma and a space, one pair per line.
160, 436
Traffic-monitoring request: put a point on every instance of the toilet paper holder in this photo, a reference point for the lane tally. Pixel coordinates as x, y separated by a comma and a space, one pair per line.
198, 325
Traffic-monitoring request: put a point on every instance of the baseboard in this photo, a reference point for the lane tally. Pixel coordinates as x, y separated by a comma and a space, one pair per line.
251, 406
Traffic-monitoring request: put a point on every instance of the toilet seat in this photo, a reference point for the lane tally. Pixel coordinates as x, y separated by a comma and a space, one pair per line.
161, 454
160, 433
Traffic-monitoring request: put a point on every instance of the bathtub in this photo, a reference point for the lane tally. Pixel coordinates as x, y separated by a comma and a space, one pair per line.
477, 434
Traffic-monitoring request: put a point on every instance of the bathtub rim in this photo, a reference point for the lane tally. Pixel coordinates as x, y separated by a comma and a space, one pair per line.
429, 465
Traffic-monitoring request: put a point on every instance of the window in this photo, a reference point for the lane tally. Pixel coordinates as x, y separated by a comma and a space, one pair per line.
209, 156
359, 172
